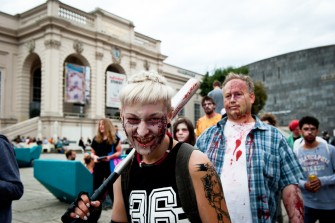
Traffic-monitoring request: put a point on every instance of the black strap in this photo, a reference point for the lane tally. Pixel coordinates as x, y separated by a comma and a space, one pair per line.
124, 187
184, 183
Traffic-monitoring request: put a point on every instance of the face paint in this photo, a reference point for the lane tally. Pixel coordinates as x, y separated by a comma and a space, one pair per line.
145, 126
237, 100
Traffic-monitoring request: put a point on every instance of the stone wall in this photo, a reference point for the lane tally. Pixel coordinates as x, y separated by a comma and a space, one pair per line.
298, 84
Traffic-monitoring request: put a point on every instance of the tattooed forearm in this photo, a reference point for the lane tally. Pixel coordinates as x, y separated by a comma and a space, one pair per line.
293, 203
213, 190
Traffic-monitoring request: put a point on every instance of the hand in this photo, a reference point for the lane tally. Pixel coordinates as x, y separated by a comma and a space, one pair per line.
313, 185
82, 210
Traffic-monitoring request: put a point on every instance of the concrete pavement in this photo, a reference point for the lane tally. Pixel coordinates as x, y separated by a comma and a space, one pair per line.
38, 205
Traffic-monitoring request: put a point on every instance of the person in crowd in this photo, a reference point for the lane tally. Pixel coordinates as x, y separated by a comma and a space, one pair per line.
183, 131
70, 154
330, 139
59, 145
318, 184
253, 159
271, 119
106, 146
17, 142
210, 118
81, 143
146, 113
217, 96
89, 162
118, 133
11, 187
294, 128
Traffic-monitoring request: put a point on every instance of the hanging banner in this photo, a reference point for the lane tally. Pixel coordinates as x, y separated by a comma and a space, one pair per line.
75, 83
87, 85
114, 84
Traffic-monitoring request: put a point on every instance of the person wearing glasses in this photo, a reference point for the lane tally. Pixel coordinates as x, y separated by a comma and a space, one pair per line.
210, 118
253, 159
148, 189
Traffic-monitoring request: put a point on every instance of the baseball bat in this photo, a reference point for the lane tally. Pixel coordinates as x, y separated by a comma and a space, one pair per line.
177, 102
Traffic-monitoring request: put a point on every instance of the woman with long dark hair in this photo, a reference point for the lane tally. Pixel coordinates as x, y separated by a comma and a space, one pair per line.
183, 131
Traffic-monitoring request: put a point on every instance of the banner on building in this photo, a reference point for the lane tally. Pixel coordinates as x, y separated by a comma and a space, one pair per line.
114, 84
75, 83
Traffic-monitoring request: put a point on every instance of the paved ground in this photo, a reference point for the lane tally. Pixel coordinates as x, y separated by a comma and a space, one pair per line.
38, 205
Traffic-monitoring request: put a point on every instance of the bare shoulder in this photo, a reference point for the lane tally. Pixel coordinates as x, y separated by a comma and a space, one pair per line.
197, 157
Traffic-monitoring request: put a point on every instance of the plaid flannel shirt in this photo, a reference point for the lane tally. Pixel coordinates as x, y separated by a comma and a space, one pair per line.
271, 164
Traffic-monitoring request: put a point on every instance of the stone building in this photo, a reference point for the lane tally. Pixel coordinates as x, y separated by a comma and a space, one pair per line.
39, 46
298, 84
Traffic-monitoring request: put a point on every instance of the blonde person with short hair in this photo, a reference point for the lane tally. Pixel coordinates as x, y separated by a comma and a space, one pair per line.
152, 193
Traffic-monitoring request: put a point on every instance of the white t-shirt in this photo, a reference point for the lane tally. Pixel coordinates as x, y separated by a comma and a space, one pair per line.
234, 176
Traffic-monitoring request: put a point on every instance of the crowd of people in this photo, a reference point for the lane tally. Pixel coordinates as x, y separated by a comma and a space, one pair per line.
234, 166
256, 166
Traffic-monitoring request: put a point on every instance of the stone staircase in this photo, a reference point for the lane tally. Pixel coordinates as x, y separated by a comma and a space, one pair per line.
26, 128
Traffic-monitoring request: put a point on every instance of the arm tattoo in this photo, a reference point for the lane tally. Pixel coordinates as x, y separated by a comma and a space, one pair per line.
213, 189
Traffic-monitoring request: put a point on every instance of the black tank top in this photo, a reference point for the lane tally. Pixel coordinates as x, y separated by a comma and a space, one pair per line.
153, 193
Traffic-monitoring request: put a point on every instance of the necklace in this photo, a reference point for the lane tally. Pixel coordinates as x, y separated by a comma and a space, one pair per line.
143, 164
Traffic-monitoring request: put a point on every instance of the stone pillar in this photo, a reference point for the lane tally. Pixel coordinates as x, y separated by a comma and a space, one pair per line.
52, 76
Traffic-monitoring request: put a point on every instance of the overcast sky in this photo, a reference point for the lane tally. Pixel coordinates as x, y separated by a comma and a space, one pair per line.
203, 35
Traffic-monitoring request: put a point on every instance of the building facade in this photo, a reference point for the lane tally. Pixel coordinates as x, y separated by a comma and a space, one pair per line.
298, 84
38, 46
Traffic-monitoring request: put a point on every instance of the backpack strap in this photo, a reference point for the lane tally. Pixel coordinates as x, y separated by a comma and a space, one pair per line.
184, 183
124, 187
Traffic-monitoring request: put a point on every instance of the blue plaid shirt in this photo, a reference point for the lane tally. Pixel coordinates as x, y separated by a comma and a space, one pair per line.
273, 164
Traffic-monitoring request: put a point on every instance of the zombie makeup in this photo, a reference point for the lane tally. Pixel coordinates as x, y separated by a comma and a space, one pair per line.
237, 100
145, 134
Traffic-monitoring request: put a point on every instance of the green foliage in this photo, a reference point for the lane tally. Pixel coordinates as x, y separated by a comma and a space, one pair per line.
206, 85
261, 97
220, 75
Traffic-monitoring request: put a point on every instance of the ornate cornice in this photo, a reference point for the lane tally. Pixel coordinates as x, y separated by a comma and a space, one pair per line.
49, 44
146, 65
99, 55
116, 55
30, 45
78, 46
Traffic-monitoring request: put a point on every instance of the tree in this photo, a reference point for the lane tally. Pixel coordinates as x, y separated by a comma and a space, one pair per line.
206, 85
220, 75
261, 97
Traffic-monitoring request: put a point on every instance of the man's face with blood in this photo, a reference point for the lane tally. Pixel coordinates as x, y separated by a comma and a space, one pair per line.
237, 99
145, 126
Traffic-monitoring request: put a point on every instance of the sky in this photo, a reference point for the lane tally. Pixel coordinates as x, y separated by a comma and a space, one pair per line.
202, 36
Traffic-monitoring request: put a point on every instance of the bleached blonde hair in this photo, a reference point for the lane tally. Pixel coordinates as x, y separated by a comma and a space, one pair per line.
146, 87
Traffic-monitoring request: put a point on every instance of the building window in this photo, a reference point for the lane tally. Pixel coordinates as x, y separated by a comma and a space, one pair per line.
37, 83
197, 112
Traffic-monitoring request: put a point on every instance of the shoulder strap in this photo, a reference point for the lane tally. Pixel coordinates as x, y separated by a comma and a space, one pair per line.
124, 187
184, 183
